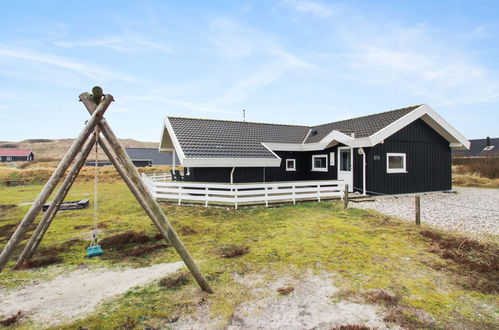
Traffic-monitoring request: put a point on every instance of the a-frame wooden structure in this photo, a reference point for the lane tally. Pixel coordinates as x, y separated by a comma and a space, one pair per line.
96, 105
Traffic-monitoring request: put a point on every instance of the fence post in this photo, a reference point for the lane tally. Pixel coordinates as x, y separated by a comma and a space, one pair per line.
206, 197
345, 196
294, 195
418, 210
235, 198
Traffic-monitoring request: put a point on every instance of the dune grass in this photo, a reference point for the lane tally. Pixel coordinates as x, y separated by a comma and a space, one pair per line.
366, 251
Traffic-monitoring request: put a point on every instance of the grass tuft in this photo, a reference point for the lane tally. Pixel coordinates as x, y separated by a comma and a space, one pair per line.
11, 320
175, 281
232, 251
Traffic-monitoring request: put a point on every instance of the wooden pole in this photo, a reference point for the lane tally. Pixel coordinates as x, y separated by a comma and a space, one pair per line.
345, 197
417, 201
52, 182
158, 217
49, 215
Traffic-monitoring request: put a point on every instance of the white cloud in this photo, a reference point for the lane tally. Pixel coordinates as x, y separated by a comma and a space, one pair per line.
418, 60
131, 42
308, 7
83, 69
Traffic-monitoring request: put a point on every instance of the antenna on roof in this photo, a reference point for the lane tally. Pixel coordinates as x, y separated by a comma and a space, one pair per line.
244, 114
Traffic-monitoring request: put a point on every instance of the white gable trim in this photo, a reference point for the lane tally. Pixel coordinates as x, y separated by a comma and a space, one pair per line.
321, 145
431, 117
176, 145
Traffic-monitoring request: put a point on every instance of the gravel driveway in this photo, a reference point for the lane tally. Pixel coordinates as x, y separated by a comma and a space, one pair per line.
473, 210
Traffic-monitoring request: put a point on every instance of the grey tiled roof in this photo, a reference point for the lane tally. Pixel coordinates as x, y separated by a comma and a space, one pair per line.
151, 154
204, 138
477, 149
361, 126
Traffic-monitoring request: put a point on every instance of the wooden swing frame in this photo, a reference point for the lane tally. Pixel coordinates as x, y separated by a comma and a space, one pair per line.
80, 149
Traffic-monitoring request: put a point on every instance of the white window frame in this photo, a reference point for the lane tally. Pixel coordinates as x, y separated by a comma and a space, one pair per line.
331, 158
319, 169
294, 165
396, 170
9, 158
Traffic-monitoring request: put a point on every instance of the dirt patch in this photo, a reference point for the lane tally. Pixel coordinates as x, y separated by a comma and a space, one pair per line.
351, 327
479, 258
120, 241
410, 318
142, 250
76, 293
232, 251
131, 244
6, 207
381, 297
308, 306
187, 230
175, 281
285, 290
11, 320
40, 262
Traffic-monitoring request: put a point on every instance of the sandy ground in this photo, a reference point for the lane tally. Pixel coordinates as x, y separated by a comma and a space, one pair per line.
310, 306
77, 293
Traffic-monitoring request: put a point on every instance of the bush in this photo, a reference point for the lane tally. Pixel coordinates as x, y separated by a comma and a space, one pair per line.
486, 167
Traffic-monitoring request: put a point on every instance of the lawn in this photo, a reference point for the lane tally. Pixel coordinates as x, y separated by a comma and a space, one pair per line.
450, 279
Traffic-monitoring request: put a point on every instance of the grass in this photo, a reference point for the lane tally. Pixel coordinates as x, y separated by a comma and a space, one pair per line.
375, 258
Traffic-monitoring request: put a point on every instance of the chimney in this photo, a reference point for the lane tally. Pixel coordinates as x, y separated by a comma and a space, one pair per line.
488, 141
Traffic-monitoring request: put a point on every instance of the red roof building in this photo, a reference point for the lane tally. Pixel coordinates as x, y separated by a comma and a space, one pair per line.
10, 154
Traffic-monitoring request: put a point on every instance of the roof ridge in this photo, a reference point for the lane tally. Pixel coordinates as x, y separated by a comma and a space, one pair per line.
240, 121
374, 114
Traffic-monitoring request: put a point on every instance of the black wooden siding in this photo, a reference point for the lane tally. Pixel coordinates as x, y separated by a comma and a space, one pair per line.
428, 162
269, 174
16, 158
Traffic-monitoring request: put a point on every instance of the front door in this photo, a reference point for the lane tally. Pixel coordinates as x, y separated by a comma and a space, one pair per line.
345, 166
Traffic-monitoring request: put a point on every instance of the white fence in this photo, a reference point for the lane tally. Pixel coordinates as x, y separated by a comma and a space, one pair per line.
243, 193
158, 176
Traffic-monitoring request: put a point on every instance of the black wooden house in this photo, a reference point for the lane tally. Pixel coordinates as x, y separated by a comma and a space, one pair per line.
400, 151
13, 155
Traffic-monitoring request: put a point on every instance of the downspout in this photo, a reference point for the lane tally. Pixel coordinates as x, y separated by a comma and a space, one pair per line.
232, 175
361, 150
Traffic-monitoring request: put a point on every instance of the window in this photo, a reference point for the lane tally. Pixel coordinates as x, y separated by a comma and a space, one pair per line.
345, 160
290, 165
395, 163
9, 158
319, 163
488, 148
331, 159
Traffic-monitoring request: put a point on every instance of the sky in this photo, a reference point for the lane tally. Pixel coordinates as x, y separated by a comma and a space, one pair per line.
291, 62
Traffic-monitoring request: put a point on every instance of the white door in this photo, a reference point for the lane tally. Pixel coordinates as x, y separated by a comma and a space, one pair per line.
345, 166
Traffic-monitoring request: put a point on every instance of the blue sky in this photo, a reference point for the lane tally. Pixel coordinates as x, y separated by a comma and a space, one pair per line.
295, 62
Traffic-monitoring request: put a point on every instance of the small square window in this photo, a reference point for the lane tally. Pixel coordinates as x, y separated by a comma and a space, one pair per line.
290, 165
9, 158
395, 163
319, 163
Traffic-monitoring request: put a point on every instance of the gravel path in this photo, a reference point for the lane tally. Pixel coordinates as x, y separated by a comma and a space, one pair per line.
474, 210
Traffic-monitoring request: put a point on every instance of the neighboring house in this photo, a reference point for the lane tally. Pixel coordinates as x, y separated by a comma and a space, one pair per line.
142, 157
11, 155
400, 151
480, 148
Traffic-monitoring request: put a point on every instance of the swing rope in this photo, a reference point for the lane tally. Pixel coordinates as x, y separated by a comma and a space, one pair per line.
96, 190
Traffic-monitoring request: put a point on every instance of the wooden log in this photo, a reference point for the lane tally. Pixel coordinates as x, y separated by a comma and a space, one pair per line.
345, 197
158, 217
417, 201
52, 182
49, 215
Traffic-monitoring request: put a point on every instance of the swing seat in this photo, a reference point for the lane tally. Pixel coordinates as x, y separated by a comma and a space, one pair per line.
94, 251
